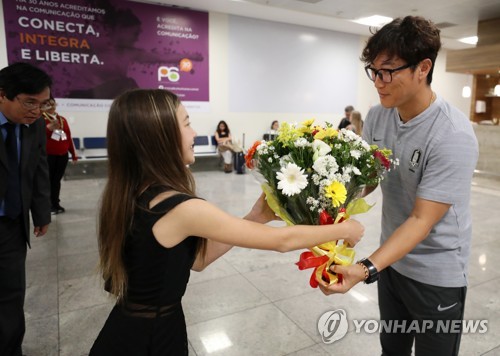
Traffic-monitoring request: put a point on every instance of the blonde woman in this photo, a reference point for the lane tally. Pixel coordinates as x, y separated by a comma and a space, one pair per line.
356, 123
153, 229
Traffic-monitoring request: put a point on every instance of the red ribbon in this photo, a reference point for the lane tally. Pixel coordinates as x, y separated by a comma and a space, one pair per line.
309, 260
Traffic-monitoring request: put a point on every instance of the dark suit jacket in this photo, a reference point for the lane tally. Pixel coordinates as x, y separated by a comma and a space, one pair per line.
35, 184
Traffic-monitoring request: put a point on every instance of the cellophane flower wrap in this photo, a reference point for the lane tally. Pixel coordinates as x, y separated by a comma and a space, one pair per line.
313, 175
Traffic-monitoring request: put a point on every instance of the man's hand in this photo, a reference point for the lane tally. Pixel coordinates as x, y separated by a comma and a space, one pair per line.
39, 231
351, 275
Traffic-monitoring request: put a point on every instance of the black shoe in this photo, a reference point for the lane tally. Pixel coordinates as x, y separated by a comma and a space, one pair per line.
53, 211
60, 209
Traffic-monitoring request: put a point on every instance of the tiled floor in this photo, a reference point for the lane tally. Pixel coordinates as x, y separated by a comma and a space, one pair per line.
249, 302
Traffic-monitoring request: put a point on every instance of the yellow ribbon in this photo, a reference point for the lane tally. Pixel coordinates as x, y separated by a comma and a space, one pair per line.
337, 254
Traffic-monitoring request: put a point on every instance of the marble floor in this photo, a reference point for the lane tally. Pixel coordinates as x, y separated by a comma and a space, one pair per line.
249, 302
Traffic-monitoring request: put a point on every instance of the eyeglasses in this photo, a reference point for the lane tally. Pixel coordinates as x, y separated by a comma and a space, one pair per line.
384, 75
33, 105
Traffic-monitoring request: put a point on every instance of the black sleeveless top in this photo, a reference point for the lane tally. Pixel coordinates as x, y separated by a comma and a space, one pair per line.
223, 134
157, 275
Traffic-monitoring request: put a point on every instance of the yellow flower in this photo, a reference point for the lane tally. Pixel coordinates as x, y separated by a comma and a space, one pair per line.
306, 126
337, 193
322, 133
308, 122
287, 134
331, 132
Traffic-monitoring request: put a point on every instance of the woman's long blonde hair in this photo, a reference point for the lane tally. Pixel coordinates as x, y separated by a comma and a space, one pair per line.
357, 122
144, 148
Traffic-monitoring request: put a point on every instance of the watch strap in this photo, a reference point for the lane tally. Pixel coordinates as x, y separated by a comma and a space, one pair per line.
371, 272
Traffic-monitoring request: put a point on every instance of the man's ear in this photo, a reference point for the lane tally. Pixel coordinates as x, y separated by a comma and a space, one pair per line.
425, 67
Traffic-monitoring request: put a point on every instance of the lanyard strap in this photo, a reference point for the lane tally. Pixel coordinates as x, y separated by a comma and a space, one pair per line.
53, 118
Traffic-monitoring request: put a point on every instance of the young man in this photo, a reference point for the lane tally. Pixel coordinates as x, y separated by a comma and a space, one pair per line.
422, 262
24, 188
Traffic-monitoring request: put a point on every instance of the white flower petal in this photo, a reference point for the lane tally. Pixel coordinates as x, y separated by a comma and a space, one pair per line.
321, 148
292, 179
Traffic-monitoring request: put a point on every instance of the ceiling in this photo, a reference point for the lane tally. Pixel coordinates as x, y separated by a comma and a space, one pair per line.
455, 18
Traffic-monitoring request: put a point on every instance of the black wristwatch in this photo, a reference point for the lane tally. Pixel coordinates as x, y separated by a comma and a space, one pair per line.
371, 273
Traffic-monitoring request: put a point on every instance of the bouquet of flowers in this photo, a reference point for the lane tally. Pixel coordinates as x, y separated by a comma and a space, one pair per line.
313, 175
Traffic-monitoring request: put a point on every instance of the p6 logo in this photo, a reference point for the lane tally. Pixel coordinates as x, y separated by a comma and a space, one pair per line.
171, 73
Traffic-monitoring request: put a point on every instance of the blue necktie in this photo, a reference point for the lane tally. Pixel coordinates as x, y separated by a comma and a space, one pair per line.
13, 193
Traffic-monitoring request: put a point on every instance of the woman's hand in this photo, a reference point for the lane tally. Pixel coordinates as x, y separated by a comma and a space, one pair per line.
355, 232
261, 212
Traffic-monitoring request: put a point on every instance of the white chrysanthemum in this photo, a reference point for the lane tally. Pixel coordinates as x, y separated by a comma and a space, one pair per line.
348, 135
347, 173
355, 154
286, 159
262, 149
313, 203
325, 165
291, 179
301, 142
356, 171
346, 178
316, 178
270, 160
365, 145
340, 177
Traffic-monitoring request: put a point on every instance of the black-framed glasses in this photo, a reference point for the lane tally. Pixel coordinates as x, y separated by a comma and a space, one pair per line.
33, 105
383, 74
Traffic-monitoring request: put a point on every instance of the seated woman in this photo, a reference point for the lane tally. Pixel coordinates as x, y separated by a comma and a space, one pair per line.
272, 132
224, 145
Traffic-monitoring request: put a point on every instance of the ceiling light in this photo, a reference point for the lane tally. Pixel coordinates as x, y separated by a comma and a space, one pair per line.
466, 91
496, 91
469, 40
375, 20
307, 37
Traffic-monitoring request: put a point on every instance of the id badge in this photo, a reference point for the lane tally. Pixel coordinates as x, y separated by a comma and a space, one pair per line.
56, 135
63, 136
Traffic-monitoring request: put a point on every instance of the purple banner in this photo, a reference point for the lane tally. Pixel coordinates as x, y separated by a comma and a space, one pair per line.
96, 49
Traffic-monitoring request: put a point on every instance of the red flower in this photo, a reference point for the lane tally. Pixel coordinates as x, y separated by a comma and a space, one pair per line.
383, 159
342, 210
325, 218
250, 154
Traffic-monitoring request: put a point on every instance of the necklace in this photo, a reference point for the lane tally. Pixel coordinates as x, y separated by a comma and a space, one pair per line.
433, 98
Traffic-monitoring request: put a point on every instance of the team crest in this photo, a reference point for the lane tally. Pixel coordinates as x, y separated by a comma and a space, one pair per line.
415, 158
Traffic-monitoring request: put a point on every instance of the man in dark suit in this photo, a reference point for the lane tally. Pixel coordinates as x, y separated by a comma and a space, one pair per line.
346, 120
24, 187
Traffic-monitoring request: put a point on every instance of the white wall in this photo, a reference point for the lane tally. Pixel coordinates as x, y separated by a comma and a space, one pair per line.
254, 123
